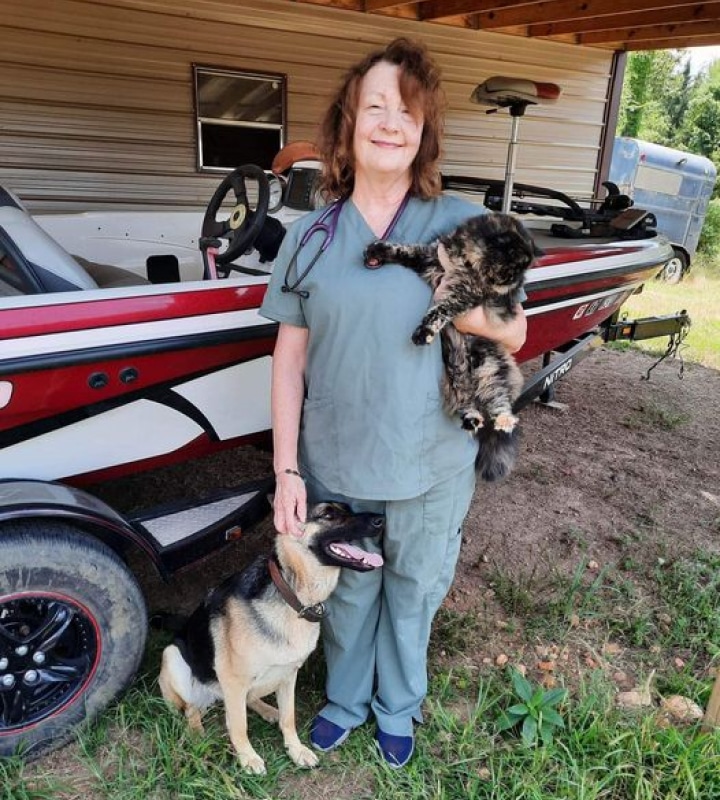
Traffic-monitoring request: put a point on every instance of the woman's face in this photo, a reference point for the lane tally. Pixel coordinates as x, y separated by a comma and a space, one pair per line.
387, 136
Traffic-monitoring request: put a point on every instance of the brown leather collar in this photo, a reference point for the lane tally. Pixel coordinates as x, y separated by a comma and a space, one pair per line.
310, 613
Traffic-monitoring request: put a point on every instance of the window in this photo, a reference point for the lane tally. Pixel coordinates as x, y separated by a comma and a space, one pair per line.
240, 118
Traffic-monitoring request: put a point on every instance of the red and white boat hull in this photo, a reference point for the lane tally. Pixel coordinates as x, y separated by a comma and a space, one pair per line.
92, 383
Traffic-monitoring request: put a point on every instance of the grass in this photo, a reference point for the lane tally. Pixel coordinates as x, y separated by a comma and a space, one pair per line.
699, 295
140, 749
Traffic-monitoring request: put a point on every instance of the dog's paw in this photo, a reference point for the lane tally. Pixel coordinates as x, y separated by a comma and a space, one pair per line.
505, 422
303, 756
375, 255
422, 335
251, 762
266, 711
194, 719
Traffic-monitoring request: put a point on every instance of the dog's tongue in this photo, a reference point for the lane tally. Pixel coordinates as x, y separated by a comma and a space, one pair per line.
356, 554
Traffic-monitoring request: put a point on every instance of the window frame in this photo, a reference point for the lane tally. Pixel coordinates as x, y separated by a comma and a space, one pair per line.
233, 72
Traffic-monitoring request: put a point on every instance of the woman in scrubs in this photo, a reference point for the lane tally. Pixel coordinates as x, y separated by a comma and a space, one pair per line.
356, 406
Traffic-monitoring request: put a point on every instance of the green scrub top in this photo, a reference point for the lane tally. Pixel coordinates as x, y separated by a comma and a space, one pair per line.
373, 424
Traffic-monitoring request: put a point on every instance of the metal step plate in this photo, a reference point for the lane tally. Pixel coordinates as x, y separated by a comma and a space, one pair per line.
184, 533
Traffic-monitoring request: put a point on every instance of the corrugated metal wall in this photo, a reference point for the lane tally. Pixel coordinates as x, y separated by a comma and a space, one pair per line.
96, 104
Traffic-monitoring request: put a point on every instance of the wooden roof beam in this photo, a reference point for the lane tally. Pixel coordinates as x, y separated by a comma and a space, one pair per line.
441, 9
654, 33
634, 19
547, 11
346, 5
372, 6
665, 44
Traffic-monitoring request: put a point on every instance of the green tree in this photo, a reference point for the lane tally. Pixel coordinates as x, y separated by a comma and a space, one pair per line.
677, 102
655, 93
635, 92
700, 129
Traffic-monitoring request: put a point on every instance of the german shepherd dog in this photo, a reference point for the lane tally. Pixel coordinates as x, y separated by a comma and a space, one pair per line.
252, 633
482, 262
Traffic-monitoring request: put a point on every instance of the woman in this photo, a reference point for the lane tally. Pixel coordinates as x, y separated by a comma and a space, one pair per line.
356, 406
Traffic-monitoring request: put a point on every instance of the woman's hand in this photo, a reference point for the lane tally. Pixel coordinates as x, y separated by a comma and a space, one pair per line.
510, 334
290, 503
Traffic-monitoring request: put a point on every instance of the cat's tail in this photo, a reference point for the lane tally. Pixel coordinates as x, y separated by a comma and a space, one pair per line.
497, 454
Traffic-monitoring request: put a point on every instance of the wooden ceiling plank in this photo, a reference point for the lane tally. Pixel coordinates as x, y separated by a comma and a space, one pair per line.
371, 6
666, 16
653, 33
440, 9
547, 11
346, 5
665, 44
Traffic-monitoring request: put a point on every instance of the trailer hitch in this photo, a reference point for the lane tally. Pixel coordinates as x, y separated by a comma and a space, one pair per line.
675, 326
672, 325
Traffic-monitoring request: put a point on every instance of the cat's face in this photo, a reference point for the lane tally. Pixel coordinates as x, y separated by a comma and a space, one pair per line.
506, 247
512, 251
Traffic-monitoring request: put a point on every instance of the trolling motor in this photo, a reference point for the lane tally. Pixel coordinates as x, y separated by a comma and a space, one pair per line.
516, 94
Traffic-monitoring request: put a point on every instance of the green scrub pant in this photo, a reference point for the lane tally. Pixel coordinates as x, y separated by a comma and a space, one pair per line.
377, 631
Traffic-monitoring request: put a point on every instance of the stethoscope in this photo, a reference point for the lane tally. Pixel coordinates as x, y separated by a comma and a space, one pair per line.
326, 224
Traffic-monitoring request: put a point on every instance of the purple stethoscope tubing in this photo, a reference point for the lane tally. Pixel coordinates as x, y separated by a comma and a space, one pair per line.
326, 224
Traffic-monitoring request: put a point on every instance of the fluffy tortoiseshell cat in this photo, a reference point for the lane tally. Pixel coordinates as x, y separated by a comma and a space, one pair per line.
482, 262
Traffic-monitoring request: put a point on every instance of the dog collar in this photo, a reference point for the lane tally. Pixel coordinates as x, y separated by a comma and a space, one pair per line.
313, 613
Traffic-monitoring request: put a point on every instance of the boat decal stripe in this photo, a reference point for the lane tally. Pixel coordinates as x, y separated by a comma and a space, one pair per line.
183, 406
64, 358
162, 394
538, 282
134, 332
551, 304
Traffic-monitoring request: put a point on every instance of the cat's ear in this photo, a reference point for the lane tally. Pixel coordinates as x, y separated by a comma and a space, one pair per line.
443, 257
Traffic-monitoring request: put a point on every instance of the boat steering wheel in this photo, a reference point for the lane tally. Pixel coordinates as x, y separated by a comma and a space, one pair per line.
243, 225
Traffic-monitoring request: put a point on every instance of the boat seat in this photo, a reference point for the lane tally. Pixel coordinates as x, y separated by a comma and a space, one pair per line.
46, 262
108, 276
504, 92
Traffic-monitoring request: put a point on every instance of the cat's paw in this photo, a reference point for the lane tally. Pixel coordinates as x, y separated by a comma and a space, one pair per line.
376, 254
423, 334
505, 422
472, 421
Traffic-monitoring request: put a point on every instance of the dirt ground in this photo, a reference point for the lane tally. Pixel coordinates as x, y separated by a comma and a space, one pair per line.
624, 469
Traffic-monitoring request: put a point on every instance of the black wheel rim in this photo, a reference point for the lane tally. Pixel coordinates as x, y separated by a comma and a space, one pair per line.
49, 651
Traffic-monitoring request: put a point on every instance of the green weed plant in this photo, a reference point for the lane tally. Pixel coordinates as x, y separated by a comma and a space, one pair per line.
536, 715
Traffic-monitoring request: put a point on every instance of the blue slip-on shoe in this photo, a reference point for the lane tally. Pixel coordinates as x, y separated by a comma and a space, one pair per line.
396, 750
325, 735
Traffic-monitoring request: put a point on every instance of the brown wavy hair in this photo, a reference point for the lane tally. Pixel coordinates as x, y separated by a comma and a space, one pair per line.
420, 90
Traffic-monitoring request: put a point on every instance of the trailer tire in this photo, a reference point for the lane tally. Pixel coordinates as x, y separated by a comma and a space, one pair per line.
73, 625
675, 268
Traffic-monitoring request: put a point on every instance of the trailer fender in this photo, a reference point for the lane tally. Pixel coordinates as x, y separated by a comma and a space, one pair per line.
37, 499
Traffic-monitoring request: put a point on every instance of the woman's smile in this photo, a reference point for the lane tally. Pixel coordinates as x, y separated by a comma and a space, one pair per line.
387, 134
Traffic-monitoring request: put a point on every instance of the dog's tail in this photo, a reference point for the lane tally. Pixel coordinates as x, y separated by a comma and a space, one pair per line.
497, 454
